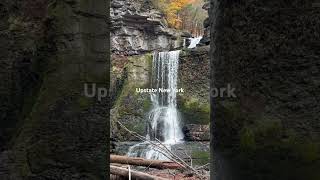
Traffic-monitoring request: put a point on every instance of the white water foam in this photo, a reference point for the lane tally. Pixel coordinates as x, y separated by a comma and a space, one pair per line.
194, 42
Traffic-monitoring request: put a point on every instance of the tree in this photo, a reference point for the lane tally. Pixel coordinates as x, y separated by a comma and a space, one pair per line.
183, 14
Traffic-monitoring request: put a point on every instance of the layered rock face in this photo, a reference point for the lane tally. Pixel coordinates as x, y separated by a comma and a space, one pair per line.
267, 51
137, 27
49, 49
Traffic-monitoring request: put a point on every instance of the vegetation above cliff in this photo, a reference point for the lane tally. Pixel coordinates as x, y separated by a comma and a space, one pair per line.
183, 14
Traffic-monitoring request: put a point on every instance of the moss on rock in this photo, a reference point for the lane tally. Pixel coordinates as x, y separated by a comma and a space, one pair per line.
247, 139
193, 76
194, 111
200, 157
132, 107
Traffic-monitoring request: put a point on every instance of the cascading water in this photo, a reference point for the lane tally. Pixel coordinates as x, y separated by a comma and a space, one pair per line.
194, 42
163, 119
164, 113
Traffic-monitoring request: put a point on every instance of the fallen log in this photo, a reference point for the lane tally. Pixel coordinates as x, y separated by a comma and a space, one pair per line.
158, 164
123, 172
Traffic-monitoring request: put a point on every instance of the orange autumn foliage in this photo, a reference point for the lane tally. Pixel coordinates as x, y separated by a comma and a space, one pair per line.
186, 15
172, 12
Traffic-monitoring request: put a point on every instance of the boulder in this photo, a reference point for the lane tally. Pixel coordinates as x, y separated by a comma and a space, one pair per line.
196, 132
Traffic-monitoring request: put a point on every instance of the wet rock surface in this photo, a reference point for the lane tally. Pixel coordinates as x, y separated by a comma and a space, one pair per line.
195, 132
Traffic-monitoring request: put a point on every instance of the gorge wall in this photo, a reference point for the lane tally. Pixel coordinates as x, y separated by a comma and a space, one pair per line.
49, 129
268, 51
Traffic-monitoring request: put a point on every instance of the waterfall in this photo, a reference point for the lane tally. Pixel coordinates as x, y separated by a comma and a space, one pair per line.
163, 119
164, 112
194, 42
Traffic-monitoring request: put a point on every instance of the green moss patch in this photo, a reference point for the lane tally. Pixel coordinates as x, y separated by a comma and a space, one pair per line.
84, 102
193, 111
131, 107
200, 157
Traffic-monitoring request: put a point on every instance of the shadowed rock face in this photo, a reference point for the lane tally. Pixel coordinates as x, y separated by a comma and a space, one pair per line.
49, 49
268, 52
19, 62
196, 132
193, 103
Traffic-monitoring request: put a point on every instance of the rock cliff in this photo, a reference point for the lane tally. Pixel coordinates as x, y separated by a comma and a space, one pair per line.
194, 74
137, 27
130, 107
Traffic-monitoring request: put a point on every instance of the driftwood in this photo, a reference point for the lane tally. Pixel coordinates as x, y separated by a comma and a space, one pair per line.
158, 164
162, 147
123, 172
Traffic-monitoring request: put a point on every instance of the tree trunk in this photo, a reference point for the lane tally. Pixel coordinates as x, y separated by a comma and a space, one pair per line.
145, 162
123, 172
